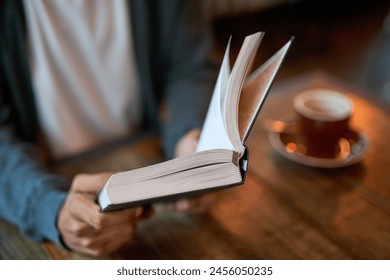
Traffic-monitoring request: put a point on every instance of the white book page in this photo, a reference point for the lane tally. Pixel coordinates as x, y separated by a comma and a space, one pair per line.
214, 135
242, 66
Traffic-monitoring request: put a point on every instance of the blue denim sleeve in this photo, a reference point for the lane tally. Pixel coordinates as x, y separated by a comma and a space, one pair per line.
30, 197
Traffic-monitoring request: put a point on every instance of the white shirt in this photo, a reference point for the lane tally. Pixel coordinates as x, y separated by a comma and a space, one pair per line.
83, 72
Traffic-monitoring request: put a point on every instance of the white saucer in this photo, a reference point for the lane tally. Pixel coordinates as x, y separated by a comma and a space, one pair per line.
358, 149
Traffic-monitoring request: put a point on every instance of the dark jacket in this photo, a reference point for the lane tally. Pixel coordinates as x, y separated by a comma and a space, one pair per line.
173, 53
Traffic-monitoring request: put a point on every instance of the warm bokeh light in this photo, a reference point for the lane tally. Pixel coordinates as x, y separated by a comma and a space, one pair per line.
291, 147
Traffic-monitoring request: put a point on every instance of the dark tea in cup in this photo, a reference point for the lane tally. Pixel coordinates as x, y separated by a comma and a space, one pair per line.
323, 117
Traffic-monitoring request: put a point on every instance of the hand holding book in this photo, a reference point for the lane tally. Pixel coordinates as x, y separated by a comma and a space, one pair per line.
84, 228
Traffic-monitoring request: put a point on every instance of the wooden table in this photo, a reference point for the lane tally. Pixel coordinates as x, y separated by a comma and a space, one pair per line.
284, 210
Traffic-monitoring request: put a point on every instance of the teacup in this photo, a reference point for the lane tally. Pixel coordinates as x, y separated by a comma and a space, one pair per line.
323, 117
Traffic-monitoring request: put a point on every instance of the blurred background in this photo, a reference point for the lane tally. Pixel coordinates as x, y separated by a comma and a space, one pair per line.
349, 40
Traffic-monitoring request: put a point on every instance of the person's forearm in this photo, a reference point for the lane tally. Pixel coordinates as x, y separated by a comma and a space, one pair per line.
29, 196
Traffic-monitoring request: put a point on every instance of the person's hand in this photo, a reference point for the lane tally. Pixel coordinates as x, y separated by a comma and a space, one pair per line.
84, 228
187, 145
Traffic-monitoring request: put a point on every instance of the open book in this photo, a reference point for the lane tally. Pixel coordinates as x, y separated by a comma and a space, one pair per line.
221, 157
